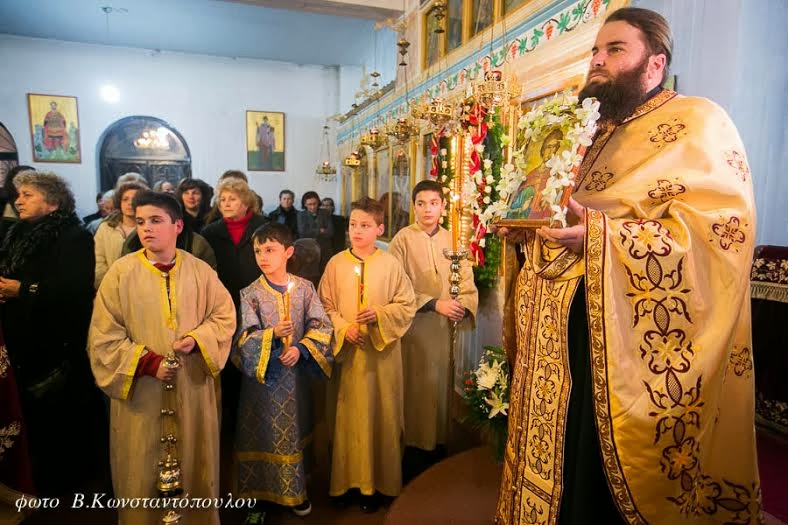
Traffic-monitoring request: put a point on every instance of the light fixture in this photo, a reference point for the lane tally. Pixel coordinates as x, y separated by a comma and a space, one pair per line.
325, 170
109, 93
438, 112
153, 139
495, 90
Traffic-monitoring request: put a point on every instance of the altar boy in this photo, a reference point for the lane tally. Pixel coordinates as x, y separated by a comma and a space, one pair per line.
425, 347
283, 337
371, 304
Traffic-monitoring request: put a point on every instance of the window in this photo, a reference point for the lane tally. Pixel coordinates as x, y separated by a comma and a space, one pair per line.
454, 30
511, 5
481, 15
433, 40
457, 21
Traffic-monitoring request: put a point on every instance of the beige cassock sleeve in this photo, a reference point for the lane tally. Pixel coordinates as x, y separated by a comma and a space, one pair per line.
394, 318
215, 334
113, 356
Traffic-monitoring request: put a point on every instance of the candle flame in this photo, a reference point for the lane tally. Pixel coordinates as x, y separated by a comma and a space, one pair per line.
357, 270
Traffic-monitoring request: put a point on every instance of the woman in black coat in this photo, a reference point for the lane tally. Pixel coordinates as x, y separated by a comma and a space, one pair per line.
47, 264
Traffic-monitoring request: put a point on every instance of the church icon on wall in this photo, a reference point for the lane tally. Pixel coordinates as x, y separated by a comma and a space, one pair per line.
54, 128
265, 141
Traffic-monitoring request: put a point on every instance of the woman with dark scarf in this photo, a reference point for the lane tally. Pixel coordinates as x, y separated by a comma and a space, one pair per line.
46, 298
195, 198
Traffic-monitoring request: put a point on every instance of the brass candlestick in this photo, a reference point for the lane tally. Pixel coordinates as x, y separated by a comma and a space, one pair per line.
455, 279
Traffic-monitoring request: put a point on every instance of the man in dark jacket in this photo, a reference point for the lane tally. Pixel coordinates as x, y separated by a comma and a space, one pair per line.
285, 213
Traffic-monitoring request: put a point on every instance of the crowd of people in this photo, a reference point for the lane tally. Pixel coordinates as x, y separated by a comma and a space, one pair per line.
203, 274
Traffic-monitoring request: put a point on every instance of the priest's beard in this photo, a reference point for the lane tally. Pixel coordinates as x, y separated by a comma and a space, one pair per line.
618, 96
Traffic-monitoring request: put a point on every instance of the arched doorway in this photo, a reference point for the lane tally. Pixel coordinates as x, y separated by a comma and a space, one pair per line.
146, 145
8, 154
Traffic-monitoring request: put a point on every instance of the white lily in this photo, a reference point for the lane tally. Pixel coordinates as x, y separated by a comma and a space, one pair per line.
497, 405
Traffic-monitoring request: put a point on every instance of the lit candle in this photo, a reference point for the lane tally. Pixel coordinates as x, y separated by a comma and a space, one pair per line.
359, 286
286, 301
286, 298
455, 223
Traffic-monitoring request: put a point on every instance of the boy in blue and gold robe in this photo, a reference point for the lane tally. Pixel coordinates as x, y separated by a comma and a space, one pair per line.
283, 335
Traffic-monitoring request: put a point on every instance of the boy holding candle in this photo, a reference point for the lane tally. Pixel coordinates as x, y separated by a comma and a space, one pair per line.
425, 347
371, 304
283, 333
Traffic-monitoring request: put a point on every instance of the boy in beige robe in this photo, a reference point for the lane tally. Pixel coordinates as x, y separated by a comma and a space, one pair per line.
151, 302
371, 304
425, 347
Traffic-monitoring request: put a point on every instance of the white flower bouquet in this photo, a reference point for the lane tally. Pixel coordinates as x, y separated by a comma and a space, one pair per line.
486, 393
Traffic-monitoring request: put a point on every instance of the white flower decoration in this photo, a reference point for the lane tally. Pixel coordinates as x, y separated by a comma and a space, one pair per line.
497, 405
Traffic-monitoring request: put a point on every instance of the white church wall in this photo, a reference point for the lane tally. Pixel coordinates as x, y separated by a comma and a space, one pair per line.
734, 52
205, 98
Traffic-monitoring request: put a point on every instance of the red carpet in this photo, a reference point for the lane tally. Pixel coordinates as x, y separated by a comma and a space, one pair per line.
773, 464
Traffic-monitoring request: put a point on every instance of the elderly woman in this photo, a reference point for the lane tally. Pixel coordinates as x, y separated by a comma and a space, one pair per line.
231, 237
46, 295
115, 229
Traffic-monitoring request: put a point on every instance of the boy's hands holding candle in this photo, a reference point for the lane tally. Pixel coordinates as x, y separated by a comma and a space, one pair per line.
367, 316
283, 329
354, 335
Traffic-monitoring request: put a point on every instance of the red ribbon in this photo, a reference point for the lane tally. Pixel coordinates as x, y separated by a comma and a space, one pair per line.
479, 131
435, 145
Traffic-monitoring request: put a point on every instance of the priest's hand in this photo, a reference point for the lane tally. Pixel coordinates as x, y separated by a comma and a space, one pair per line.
354, 335
185, 345
165, 374
9, 289
367, 316
450, 308
515, 236
290, 357
572, 237
283, 329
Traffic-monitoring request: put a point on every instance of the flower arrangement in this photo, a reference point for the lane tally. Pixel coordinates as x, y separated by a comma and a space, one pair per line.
486, 394
577, 123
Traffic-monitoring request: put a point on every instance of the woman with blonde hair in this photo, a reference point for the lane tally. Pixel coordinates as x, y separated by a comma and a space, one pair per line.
114, 230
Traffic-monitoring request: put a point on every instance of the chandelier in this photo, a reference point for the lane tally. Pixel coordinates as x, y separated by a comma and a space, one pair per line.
153, 139
353, 160
437, 112
494, 90
325, 170
373, 138
401, 129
